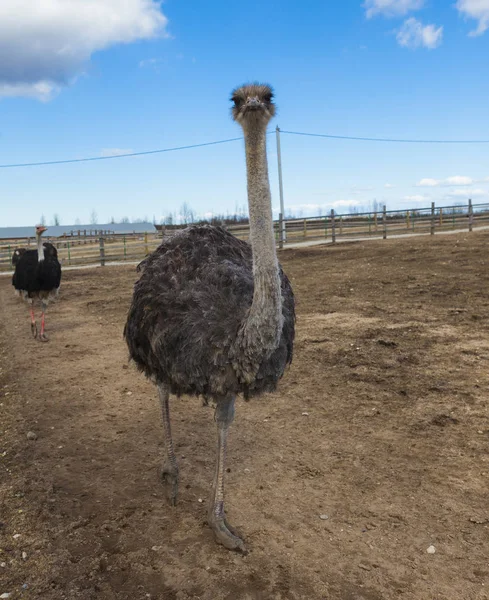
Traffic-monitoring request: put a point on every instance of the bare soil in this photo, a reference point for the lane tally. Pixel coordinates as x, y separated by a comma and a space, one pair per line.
381, 423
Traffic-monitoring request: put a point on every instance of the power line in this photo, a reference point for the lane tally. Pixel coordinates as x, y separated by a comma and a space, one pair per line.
401, 141
177, 148
94, 158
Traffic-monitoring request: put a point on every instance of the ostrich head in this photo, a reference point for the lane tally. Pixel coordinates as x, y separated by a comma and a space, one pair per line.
40, 229
253, 105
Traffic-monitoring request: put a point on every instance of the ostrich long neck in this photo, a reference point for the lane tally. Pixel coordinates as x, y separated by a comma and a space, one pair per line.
263, 325
40, 248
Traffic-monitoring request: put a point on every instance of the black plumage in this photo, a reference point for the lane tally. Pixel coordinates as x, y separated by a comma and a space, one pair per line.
38, 278
193, 295
18, 252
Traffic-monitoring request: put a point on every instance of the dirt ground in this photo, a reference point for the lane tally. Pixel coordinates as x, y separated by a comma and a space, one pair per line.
381, 424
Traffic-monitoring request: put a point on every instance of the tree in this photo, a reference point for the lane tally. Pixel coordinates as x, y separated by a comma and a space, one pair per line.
56, 221
112, 220
125, 220
93, 217
77, 221
43, 220
186, 213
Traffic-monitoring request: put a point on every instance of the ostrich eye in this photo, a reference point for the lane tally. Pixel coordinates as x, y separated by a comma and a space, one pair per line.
236, 100
268, 97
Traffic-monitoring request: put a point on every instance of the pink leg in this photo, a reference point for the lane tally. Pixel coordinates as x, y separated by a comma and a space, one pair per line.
42, 335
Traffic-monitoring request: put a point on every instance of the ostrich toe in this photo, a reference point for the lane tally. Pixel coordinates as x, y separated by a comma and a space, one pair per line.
34, 329
43, 337
169, 477
226, 535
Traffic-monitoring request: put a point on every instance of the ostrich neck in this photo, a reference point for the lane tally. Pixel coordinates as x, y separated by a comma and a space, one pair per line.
40, 248
263, 325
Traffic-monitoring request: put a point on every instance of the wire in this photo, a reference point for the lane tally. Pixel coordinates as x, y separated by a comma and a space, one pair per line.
94, 158
401, 141
177, 148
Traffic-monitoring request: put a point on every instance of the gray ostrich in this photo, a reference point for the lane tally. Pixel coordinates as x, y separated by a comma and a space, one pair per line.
212, 315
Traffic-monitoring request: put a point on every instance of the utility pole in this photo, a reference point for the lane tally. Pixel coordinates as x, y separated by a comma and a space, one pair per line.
281, 187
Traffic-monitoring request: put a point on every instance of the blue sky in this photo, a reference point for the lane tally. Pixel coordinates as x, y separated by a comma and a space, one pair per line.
105, 79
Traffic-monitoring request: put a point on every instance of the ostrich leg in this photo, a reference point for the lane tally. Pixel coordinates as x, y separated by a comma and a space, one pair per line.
33, 319
169, 470
225, 534
42, 336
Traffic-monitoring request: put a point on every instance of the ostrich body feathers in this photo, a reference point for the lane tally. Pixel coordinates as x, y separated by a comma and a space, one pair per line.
194, 294
36, 278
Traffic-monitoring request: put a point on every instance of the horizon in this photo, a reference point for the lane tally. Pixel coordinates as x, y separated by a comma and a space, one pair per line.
160, 75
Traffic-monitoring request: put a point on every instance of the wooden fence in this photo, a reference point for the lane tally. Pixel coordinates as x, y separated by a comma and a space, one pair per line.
102, 247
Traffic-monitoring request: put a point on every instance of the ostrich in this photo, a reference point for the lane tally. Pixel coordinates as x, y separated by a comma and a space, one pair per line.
212, 315
38, 275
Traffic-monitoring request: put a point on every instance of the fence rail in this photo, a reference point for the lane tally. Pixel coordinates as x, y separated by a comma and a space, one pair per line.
100, 247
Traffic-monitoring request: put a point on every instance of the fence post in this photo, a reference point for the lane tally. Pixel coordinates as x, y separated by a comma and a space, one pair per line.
305, 228
407, 219
384, 222
280, 184
125, 249
326, 227
333, 227
432, 226
471, 215
375, 222
9, 255
69, 253
146, 249
441, 215
102, 251
341, 226
280, 230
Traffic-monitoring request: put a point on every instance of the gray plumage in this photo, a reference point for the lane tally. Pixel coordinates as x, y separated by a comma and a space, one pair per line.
194, 293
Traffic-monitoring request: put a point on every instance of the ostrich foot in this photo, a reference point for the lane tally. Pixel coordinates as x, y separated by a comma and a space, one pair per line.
43, 337
169, 478
34, 329
225, 534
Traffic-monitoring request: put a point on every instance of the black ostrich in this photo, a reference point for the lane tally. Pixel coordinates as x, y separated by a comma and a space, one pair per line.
38, 275
212, 315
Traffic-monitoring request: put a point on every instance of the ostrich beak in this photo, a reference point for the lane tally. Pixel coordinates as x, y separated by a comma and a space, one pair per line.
253, 103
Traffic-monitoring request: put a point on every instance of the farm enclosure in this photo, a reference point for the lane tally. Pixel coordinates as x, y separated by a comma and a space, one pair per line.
381, 424
88, 247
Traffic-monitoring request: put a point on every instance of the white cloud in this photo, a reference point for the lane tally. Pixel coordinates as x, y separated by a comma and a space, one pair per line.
456, 180
391, 8
115, 151
45, 44
475, 9
389, 186
42, 90
413, 34
427, 182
